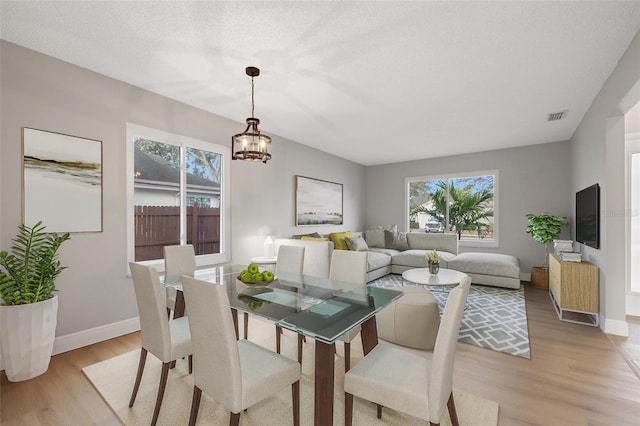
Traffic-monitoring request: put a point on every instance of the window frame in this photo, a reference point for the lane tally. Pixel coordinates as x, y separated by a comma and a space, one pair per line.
495, 243
137, 131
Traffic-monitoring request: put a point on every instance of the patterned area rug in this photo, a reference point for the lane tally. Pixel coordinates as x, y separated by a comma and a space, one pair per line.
494, 318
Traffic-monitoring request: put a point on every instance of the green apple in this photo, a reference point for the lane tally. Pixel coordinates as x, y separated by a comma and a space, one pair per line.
253, 268
268, 276
258, 277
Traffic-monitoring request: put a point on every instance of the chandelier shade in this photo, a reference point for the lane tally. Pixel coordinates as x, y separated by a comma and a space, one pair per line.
251, 145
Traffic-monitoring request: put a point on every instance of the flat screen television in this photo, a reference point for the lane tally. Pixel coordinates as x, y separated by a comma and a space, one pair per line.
588, 216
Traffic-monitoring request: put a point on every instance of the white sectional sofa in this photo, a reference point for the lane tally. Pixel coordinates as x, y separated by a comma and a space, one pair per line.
493, 269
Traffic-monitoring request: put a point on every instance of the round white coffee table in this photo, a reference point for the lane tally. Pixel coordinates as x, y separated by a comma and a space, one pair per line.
444, 277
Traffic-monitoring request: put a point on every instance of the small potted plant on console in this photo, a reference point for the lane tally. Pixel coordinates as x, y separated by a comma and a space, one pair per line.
544, 228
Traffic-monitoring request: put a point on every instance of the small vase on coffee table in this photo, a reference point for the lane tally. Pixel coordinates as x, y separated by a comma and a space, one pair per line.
434, 268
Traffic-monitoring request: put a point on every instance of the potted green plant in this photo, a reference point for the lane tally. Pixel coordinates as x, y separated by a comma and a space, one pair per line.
544, 228
29, 309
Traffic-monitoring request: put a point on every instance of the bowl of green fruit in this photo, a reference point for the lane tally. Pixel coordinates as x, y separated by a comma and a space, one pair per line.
252, 275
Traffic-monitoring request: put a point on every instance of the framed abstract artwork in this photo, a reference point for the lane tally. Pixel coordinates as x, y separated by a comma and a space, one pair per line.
318, 202
62, 178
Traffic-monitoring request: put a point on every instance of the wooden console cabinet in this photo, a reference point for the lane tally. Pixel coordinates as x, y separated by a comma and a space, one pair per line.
573, 288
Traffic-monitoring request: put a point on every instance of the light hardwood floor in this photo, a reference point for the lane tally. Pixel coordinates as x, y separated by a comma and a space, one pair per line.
576, 376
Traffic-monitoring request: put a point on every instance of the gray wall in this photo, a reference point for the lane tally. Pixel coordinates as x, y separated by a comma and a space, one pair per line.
597, 155
531, 179
44, 93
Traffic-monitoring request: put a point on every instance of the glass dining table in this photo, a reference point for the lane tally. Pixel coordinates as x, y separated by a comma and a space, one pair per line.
319, 308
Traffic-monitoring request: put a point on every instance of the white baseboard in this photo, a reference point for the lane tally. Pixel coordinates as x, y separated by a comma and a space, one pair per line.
95, 335
84, 338
617, 327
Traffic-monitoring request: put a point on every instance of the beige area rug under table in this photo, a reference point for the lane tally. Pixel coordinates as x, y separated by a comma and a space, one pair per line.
114, 378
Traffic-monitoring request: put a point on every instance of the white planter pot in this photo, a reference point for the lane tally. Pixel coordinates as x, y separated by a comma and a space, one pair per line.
27, 333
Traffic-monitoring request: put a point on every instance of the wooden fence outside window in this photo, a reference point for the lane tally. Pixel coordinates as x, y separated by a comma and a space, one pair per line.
159, 226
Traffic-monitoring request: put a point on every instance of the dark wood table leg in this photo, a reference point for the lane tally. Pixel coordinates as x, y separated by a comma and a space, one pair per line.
178, 310
325, 365
234, 314
369, 335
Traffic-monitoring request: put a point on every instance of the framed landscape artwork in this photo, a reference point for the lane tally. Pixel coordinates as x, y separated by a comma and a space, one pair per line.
318, 202
62, 178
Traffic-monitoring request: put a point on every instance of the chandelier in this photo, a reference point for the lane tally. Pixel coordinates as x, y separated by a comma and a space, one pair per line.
251, 145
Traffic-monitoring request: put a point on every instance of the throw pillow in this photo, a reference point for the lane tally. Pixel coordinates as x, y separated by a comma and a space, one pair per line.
299, 236
338, 238
374, 236
356, 244
396, 240
309, 238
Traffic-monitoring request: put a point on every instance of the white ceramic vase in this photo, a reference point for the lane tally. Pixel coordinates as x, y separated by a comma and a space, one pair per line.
27, 333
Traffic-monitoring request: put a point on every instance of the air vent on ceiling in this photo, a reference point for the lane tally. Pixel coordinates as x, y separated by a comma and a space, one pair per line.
555, 116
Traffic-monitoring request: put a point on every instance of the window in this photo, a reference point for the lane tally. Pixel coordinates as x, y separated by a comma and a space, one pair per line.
463, 204
177, 194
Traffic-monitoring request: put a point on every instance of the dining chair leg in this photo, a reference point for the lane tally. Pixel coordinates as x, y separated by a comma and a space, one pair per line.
300, 340
246, 325
163, 384
195, 405
379, 413
295, 397
348, 409
234, 419
278, 338
453, 415
143, 359
347, 356
190, 364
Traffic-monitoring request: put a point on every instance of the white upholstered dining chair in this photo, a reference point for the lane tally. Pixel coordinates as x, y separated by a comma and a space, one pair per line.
351, 267
235, 373
168, 340
290, 259
178, 260
406, 382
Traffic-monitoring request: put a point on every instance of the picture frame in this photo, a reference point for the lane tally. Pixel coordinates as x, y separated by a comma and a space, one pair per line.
318, 202
62, 181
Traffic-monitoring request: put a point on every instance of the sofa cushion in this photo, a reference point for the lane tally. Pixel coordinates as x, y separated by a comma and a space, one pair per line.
376, 260
501, 265
356, 244
339, 241
388, 252
418, 258
440, 242
375, 235
395, 240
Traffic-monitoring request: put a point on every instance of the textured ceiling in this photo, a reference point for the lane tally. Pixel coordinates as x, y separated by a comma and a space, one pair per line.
373, 82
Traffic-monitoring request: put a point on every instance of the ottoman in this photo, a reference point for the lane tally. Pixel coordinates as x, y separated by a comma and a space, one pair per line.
412, 321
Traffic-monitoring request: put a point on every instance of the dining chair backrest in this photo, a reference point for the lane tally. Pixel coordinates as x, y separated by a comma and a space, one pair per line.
290, 259
349, 266
179, 259
441, 373
151, 299
216, 358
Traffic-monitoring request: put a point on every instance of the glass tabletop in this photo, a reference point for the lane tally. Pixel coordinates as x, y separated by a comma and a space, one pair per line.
317, 307
213, 274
